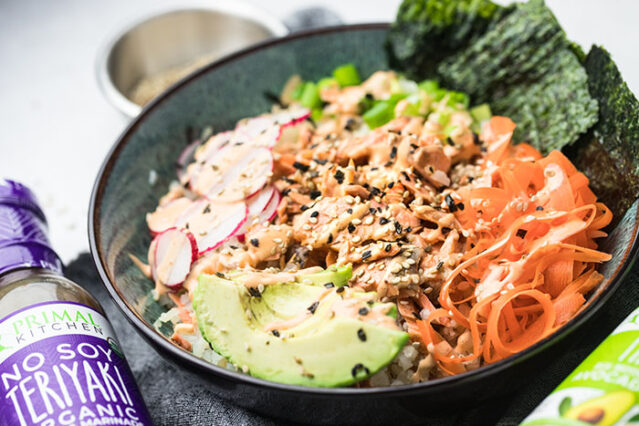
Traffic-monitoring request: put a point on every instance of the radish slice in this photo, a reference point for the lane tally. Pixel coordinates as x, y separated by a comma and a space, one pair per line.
186, 156
166, 216
265, 130
249, 174
256, 205
175, 252
258, 202
270, 211
213, 224
213, 145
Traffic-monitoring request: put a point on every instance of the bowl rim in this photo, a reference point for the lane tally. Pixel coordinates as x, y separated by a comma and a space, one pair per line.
237, 8
161, 343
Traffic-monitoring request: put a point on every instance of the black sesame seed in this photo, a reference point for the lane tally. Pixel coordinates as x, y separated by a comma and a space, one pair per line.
383, 221
388, 164
366, 255
300, 166
450, 141
349, 211
255, 242
330, 238
450, 203
315, 194
408, 229
361, 334
313, 307
275, 333
390, 185
398, 227
254, 292
321, 162
417, 316
219, 274
483, 149
315, 214
207, 209
329, 285
351, 228
445, 230
393, 152
339, 176
439, 265
356, 369
539, 208
476, 140
375, 191
350, 124
289, 180
372, 210
286, 192
304, 208
521, 233
405, 175
340, 290
470, 179
461, 206
363, 311
388, 247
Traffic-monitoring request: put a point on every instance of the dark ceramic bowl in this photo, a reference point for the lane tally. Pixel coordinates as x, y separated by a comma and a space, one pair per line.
219, 95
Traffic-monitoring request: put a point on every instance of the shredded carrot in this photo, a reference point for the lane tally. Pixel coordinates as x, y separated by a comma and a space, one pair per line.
531, 265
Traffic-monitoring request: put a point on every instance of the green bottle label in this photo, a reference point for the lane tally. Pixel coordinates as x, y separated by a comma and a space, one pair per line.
603, 389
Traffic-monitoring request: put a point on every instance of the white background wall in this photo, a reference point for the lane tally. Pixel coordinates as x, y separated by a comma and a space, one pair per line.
55, 126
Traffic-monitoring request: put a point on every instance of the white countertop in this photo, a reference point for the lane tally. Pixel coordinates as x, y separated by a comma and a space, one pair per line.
56, 127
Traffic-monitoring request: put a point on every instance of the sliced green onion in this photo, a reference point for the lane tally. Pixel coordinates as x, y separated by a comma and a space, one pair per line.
317, 114
310, 96
297, 92
481, 113
443, 118
327, 82
429, 86
448, 130
381, 113
458, 98
347, 75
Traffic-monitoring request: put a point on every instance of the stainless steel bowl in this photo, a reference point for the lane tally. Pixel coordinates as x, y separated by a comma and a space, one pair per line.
174, 38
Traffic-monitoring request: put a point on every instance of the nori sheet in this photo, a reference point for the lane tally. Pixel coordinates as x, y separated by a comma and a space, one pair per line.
426, 31
609, 153
526, 69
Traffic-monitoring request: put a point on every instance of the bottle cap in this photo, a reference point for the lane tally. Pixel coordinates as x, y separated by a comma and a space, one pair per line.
23, 231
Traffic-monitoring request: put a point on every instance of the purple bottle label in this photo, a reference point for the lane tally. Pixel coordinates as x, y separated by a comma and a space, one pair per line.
60, 364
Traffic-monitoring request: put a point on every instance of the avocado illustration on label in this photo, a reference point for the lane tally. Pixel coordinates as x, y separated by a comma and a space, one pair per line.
604, 410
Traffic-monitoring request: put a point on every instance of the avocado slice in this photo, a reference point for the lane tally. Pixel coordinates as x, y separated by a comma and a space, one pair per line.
337, 276
325, 349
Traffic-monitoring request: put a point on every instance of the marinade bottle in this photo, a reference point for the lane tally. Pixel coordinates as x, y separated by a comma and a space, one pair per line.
60, 363
603, 390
